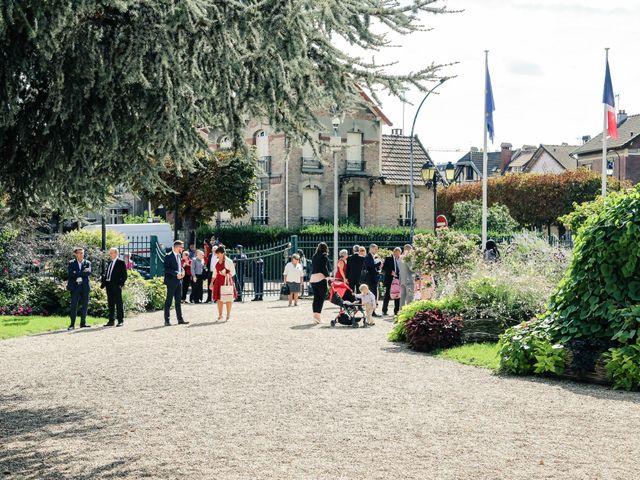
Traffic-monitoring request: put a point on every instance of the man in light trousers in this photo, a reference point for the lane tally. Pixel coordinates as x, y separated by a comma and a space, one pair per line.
407, 276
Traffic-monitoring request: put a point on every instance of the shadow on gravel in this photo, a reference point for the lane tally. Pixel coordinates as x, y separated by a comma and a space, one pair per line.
306, 326
205, 324
600, 392
24, 432
151, 328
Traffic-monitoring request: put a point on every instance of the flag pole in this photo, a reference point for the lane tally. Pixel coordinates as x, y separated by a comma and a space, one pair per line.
604, 138
484, 158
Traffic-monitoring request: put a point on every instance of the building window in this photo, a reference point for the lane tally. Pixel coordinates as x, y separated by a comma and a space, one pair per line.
354, 151
116, 215
404, 213
260, 214
310, 206
225, 143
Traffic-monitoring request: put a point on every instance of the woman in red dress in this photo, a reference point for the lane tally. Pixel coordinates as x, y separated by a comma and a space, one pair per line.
342, 266
224, 269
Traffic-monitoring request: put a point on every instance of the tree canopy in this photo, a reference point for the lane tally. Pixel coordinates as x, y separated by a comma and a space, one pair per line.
95, 93
224, 182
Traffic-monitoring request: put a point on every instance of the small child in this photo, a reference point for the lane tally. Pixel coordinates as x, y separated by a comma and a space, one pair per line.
368, 302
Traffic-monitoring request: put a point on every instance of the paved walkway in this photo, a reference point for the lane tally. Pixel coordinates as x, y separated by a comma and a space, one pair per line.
268, 396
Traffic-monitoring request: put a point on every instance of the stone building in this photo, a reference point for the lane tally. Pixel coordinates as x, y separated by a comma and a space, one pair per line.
373, 174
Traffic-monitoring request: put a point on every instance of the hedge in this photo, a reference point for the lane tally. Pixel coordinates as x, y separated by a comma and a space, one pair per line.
533, 199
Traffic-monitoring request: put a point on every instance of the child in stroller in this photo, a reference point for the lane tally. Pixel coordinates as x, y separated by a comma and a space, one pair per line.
350, 312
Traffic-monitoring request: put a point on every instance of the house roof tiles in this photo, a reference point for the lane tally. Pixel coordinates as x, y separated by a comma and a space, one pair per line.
396, 162
628, 130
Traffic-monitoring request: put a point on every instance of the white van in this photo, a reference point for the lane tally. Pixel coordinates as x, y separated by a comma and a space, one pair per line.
134, 231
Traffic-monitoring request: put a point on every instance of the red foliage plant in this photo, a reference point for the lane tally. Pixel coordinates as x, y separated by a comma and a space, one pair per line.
433, 329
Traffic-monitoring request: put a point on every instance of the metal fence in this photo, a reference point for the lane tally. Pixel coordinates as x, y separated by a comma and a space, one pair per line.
309, 243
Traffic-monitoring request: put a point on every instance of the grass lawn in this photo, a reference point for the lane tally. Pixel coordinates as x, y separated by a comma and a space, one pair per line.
478, 354
19, 326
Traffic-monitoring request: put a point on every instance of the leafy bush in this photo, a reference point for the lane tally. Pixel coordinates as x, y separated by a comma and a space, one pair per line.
623, 366
156, 293
433, 329
600, 294
548, 196
93, 238
524, 349
467, 215
492, 304
446, 253
406, 313
134, 293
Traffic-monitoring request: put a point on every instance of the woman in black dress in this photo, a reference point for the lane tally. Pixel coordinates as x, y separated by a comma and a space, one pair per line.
319, 276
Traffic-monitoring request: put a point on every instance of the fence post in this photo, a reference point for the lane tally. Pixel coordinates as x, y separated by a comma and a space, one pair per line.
294, 244
156, 263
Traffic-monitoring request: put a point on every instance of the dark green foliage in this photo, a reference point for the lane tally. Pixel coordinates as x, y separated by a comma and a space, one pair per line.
433, 329
156, 293
524, 350
96, 93
467, 216
623, 366
600, 293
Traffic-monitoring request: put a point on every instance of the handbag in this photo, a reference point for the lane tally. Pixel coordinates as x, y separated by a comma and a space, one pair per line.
284, 289
227, 291
394, 291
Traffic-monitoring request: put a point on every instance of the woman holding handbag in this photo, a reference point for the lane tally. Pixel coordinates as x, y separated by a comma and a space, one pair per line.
222, 284
319, 277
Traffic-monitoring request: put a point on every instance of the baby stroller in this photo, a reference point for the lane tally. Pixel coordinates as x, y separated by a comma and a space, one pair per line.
350, 312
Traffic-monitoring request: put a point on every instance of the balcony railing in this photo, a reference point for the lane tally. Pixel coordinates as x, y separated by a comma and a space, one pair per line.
311, 164
356, 166
259, 220
264, 164
311, 221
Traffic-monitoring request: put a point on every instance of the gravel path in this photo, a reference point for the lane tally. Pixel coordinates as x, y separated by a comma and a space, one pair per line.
268, 396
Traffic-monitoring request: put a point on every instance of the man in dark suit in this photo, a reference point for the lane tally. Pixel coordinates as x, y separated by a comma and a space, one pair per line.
391, 270
78, 273
355, 263
173, 275
371, 266
113, 280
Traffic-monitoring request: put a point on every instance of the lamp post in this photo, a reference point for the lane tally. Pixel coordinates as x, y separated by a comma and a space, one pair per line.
336, 145
431, 175
412, 196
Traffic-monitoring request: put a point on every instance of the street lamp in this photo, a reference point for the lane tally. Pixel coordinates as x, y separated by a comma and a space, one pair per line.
431, 175
412, 196
336, 145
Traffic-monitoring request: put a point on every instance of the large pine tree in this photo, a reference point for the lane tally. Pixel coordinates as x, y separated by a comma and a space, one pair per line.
95, 93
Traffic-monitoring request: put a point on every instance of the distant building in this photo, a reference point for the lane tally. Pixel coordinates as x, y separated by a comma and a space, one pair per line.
373, 174
469, 167
623, 157
544, 159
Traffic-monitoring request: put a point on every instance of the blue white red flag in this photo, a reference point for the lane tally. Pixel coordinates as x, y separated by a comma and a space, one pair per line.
610, 104
489, 105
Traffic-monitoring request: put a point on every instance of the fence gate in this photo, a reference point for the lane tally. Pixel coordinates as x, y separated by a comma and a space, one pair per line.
259, 272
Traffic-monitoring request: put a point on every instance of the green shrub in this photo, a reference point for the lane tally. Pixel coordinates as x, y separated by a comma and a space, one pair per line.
156, 293
467, 215
526, 349
93, 238
623, 366
446, 253
134, 294
490, 305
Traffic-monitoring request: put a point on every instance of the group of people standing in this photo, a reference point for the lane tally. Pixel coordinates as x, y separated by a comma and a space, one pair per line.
362, 272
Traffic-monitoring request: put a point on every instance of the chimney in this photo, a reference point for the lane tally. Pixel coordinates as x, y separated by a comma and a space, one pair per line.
397, 132
505, 156
585, 138
622, 116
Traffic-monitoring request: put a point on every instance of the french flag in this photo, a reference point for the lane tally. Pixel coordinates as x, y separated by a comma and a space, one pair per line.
610, 104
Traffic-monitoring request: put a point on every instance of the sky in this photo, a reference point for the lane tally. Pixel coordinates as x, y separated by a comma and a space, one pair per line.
546, 59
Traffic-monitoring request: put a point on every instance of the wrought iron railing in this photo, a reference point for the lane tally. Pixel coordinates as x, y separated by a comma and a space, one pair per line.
311, 220
264, 164
356, 166
311, 164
